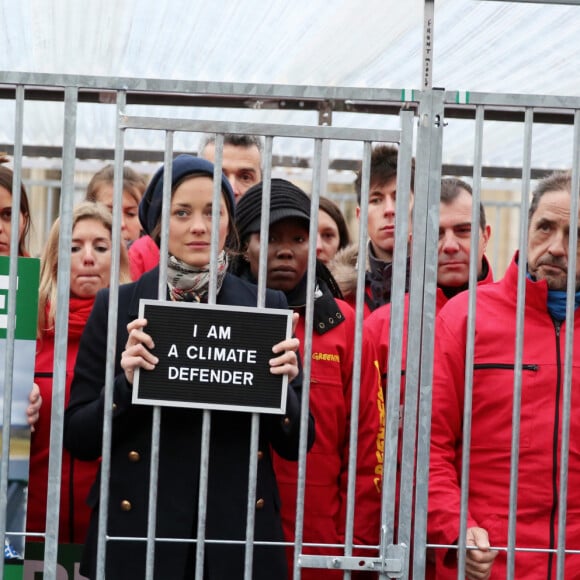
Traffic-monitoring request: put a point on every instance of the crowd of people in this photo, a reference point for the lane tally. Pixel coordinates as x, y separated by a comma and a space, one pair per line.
541, 412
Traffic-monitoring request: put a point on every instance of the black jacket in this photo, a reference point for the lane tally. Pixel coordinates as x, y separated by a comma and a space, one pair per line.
180, 441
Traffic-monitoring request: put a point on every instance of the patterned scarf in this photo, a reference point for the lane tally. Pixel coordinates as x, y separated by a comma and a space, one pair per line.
191, 284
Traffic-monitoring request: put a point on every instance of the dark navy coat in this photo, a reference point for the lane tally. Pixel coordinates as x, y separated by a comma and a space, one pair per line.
180, 442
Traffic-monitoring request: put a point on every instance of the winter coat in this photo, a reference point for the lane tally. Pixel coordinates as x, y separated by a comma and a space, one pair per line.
77, 477
378, 278
327, 462
542, 393
179, 457
376, 329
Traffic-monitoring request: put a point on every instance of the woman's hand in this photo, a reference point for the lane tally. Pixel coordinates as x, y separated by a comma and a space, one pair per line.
287, 362
137, 350
34, 404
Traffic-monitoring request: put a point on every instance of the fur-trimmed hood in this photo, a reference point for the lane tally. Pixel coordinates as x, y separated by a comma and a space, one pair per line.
344, 267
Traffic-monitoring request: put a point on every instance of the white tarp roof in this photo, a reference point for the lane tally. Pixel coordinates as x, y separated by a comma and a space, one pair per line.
479, 45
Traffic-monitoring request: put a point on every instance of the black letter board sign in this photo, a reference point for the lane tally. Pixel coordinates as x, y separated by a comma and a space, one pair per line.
213, 357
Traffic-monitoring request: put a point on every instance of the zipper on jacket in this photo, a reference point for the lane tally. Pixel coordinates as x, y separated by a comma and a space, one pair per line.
557, 325
507, 366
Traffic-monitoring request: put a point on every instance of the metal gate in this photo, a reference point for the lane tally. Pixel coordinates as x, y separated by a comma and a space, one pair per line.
421, 130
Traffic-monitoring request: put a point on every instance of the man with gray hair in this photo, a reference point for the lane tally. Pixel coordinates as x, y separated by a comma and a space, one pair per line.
542, 409
242, 159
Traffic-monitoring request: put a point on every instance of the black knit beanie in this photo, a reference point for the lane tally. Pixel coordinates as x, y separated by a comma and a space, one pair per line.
286, 201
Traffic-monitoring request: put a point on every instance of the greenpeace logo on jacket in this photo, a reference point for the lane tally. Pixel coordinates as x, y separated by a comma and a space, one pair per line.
329, 356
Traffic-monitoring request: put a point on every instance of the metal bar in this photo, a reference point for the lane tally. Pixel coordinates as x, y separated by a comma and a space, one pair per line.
265, 221
354, 413
428, 31
519, 347
251, 507
156, 413
256, 96
354, 564
393, 388
470, 339
563, 2
111, 351
393, 391
266, 129
215, 223
414, 317
513, 100
203, 486
432, 132
338, 164
569, 351
248, 90
307, 351
362, 237
61, 337
11, 327
255, 423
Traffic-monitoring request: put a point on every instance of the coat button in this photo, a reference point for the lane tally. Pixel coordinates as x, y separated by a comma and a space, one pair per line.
260, 504
126, 505
260, 455
286, 421
114, 407
134, 456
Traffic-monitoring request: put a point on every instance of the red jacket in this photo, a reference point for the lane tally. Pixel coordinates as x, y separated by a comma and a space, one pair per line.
143, 256
77, 476
376, 329
540, 435
327, 461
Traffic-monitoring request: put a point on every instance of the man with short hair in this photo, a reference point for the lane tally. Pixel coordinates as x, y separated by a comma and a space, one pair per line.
381, 233
242, 165
452, 262
455, 239
452, 277
242, 159
542, 410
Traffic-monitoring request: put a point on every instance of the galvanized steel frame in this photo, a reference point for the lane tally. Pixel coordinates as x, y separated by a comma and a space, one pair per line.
394, 560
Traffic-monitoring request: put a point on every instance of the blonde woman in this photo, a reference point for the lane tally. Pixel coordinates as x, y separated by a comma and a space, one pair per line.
91, 253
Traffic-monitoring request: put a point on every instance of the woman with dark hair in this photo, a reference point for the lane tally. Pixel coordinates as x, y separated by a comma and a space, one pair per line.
34, 398
332, 230
330, 381
187, 279
6, 181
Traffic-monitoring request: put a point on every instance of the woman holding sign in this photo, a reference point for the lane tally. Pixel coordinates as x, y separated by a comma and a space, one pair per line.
331, 381
187, 279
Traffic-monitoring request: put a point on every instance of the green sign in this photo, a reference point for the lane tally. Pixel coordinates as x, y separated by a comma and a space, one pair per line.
67, 568
26, 297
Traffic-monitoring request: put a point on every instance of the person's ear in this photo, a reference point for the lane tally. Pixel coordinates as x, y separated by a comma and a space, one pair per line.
245, 254
485, 235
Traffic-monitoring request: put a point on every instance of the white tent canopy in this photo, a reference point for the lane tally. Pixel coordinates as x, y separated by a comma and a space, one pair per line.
478, 46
